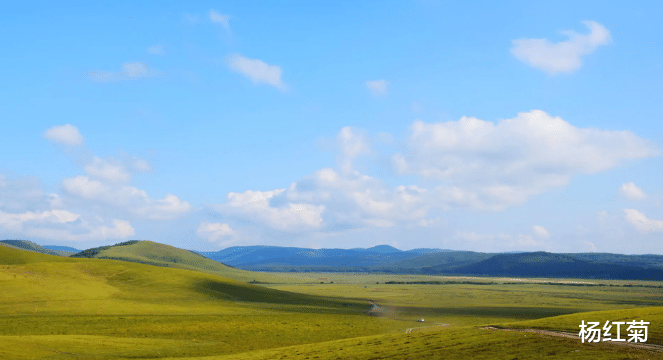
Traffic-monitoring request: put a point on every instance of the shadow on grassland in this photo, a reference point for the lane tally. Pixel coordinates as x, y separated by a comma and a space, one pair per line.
261, 295
511, 313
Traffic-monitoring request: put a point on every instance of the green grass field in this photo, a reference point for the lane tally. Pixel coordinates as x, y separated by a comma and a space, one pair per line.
187, 308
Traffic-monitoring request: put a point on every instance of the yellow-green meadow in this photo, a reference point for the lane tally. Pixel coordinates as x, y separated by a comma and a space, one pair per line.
189, 307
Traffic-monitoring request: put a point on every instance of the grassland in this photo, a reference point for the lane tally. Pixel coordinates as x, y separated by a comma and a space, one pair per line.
186, 308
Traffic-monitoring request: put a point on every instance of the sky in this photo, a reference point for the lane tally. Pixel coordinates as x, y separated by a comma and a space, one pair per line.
483, 126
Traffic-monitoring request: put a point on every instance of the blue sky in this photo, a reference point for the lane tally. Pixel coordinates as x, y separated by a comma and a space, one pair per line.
517, 126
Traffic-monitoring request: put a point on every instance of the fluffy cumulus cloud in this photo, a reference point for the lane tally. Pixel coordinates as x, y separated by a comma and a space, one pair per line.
329, 201
62, 225
126, 198
352, 143
130, 71
97, 206
540, 231
85, 232
631, 191
107, 169
378, 88
641, 223
257, 70
15, 221
564, 56
216, 232
224, 20
64, 134
469, 164
483, 165
255, 205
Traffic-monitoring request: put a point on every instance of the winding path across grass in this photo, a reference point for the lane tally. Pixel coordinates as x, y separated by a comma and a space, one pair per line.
409, 330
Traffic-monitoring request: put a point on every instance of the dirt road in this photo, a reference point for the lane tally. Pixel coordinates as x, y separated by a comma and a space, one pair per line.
409, 330
652, 347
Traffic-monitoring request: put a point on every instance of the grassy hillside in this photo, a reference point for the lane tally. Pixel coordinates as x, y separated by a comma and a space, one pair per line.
30, 246
153, 253
570, 323
113, 308
448, 343
62, 308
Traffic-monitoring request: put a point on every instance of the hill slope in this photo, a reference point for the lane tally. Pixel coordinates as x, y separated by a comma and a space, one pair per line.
157, 254
60, 308
543, 264
53, 307
30, 246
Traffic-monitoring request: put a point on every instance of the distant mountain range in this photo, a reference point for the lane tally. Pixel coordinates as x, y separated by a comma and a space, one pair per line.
378, 259
269, 258
61, 248
387, 259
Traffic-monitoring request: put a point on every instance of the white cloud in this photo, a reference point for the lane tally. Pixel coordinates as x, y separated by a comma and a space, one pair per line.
591, 246
219, 18
82, 186
126, 198
641, 222
107, 169
631, 191
156, 50
328, 200
165, 208
255, 206
214, 232
565, 56
378, 88
540, 231
130, 71
121, 230
257, 70
352, 143
15, 221
65, 134
490, 166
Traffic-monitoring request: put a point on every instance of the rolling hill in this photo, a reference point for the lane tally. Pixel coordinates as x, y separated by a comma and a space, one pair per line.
157, 254
54, 307
544, 264
379, 259
30, 246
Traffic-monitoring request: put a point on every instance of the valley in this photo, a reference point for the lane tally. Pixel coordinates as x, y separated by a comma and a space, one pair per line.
161, 302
